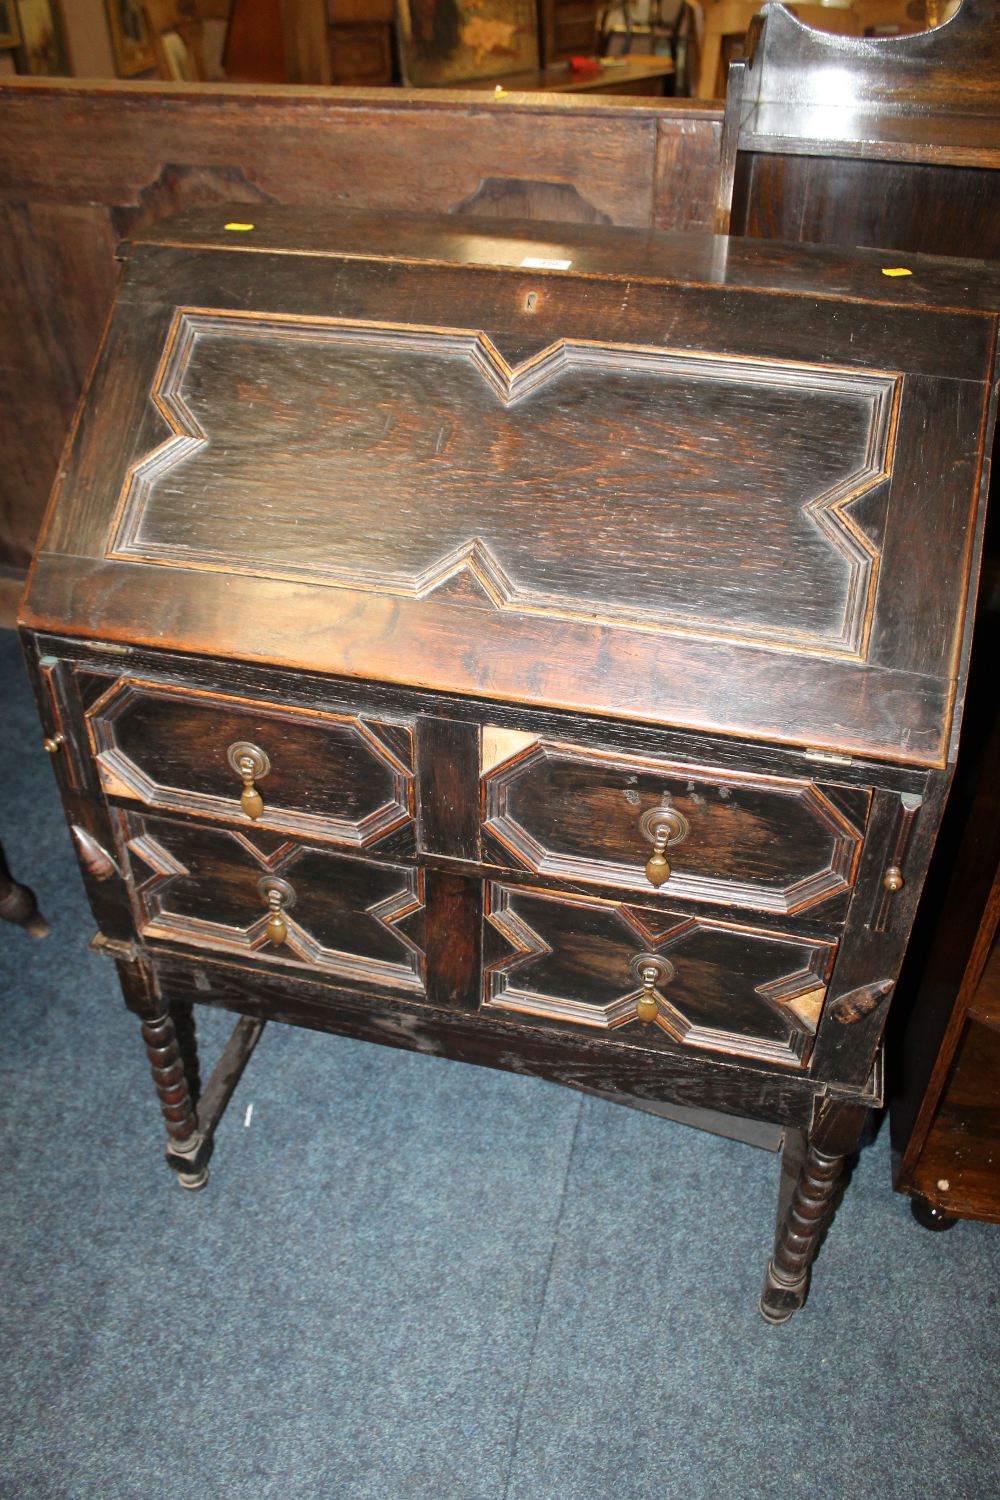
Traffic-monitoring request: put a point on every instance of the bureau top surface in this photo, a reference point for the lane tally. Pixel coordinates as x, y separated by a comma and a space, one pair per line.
718, 484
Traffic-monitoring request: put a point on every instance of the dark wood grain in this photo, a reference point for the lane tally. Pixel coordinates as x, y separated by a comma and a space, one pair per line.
452, 942
448, 782
199, 885
732, 989
886, 141
750, 842
396, 413
90, 665
911, 207
134, 152
930, 95
580, 609
341, 777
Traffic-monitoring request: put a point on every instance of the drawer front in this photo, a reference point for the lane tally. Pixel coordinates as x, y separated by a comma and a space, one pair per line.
740, 840
330, 776
222, 889
653, 976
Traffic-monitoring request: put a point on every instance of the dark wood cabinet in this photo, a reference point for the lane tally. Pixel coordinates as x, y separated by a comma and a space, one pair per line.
543, 648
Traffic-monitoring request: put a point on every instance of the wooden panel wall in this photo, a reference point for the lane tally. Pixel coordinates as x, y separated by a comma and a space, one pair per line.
84, 163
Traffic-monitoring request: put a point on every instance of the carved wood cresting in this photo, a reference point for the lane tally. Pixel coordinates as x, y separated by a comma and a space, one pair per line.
394, 410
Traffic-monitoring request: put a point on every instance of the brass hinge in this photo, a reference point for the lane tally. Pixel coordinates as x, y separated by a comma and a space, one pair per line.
829, 757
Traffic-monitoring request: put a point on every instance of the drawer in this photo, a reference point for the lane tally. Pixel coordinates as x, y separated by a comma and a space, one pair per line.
762, 842
653, 976
340, 777
256, 895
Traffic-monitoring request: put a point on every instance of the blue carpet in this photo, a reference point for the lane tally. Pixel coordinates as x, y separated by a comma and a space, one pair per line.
410, 1278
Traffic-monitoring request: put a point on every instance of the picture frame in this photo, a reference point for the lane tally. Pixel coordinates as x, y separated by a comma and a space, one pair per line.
10, 31
178, 66
43, 51
130, 40
444, 43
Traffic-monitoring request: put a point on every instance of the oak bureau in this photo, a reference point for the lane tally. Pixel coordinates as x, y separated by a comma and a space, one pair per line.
541, 646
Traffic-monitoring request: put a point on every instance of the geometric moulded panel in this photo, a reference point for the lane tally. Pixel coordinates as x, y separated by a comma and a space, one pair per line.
575, 813
330, 776
200, 886
582, 484
724, 988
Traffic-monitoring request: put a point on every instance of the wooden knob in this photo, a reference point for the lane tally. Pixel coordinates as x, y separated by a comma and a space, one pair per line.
893, 879
54, 743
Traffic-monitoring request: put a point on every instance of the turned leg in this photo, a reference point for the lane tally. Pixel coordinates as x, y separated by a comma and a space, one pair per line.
811, 1171
182, 1016
787, 1282
18, 904
185, 1146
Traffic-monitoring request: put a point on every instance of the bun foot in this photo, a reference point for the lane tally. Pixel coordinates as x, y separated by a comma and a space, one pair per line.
930, 1217
193, 1182
780, 1299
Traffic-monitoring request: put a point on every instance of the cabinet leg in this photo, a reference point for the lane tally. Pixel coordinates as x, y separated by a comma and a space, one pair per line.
185, 1144
182, 1016
18, 904
812, 1166
786, 1284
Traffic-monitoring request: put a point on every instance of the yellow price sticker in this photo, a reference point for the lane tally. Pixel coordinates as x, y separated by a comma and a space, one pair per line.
239, 228
896, 271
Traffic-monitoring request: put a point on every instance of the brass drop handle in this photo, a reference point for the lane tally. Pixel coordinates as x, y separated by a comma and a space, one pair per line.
651, 971
278, 896
662, 826
252, 764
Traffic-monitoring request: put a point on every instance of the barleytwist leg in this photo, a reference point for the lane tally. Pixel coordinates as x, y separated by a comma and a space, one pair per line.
184, 1148
787, 1281
182, 1016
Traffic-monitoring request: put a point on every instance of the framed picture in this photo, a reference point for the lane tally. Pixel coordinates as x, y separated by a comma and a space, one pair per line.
449, 41
177, 57
43, 38
10, 32
129, 38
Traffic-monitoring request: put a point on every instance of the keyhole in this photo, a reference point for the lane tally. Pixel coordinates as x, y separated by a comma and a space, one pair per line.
531, 302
